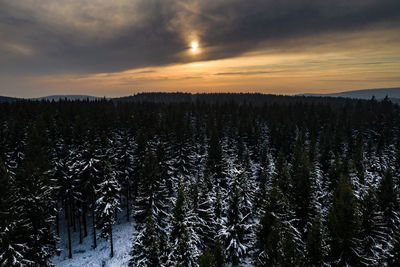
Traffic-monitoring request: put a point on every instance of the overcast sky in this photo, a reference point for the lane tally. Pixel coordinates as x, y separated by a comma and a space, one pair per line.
114, 48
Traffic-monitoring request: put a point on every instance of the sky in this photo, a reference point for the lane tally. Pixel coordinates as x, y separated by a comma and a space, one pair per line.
122, 47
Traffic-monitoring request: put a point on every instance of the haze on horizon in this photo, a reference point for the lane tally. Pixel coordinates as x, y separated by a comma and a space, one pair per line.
116, 48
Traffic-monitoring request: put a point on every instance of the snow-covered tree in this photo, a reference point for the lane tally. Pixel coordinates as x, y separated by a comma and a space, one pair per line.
201, 206
372, 231
343, 225
107, 204
85, 165
183, 239
12, 245
236, 228
124, 161
151, 215
147, 246
389, 205
316, 243
278, 243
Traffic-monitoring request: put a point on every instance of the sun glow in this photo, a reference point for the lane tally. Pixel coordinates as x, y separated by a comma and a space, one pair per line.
195, 46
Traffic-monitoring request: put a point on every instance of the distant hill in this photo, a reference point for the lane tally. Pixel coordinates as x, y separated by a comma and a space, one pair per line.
157, 97
253, 98
249, 98
7, 99
381, 93
68, 97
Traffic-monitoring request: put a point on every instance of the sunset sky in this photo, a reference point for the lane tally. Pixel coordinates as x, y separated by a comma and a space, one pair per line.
116, 48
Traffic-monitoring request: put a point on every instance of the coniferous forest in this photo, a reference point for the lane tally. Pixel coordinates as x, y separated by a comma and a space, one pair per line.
220, 180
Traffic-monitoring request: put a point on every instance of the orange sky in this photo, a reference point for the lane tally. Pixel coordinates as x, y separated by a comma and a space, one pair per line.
345, 66
320, 62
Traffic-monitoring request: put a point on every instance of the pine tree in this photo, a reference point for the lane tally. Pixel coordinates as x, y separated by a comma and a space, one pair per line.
85, 165
301, 187
66, 189
107, 205
343, 226
150, 210
389, 205
315, 244
36, 204
282, 177
183, 239
207, 259
388, 201
214, 257
147, 246
263, 181
152, 192
278, 241
358, 159
201, 205
34, 200
214, 159
372, 230
124, 162
236, 228
394, 256
219, 255
12, 248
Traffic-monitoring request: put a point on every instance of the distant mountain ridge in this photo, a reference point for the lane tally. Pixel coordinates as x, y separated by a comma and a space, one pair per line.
67, 97
255, 98
7, 99
379, 93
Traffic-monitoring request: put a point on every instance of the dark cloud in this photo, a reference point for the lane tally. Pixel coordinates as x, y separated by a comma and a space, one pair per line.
107, 36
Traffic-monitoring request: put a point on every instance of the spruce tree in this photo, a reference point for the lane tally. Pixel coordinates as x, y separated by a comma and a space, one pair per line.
147, 246
301, 187
388, 201
315, 244
278, 241
12, 247
394, 255
236, 228
372, 232
34, 199
201, 204
124, 162
282, 177
107, 204
207, 259
183, 239
213, 257
389, 205
343, 225
86, 165
150, 211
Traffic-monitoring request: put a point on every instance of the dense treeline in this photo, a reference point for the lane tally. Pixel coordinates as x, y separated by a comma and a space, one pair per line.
216, 183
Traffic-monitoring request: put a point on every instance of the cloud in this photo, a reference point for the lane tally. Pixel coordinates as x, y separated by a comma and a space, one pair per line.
245, 73
91, 36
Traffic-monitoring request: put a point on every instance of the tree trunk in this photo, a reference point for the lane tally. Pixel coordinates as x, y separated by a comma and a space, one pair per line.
127, 203
64, 204
69, 206
111, 243
80, 229
69, 233
94, 224
57, 220
84, 210
73, 215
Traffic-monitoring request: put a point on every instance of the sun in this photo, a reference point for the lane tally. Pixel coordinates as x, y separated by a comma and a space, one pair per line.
195, 46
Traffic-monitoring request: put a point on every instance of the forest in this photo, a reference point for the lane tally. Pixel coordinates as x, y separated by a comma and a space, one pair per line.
210, 181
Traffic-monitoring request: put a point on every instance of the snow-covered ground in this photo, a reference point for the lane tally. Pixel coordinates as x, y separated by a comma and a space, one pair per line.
85, 256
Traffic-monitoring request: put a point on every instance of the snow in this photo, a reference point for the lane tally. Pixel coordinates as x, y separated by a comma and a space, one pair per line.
84, 255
